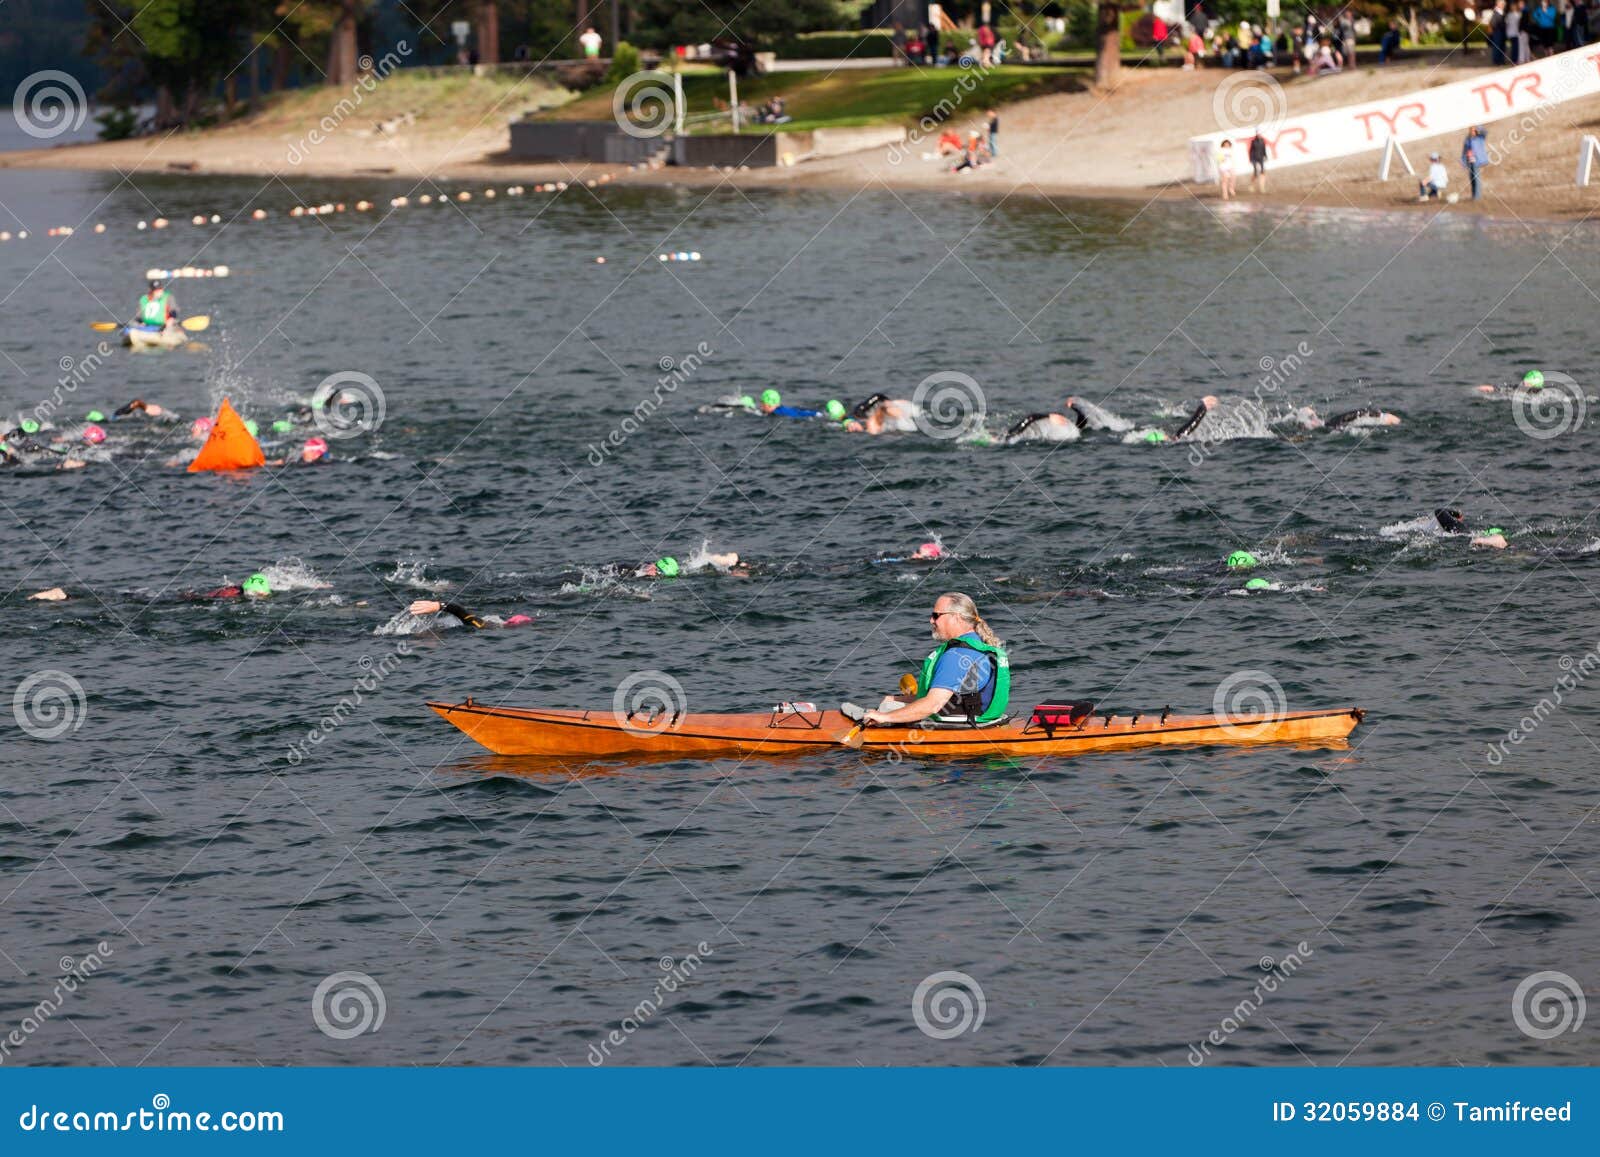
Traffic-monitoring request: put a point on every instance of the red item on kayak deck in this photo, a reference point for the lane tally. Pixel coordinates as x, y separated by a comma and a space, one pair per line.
230, 446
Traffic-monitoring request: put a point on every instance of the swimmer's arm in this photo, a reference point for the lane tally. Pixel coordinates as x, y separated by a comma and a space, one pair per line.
455, 610
1194, 420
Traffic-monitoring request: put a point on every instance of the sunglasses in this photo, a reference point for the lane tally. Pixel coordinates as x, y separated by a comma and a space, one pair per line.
935, 616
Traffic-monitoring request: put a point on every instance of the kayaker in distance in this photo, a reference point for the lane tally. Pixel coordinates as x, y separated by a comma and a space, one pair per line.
968, 674
158, 309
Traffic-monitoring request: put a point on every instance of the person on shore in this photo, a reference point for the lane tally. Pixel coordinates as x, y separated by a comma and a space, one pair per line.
1541, 24
1516, 36
1258, 162
950, 143
1225, 170
157, 309
1578, 24
1497, 35
423, 607
1438, 178
994, 132
986, 42
1347, 39
1475, 155
967, 678
932, 42
1195, 56
1324, 62
591, 41
1389, 45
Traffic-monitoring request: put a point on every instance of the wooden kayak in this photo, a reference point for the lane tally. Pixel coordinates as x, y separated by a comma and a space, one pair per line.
532, 731
150, 337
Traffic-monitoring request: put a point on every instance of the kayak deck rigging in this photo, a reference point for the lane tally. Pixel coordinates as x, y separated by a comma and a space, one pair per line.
1050, 730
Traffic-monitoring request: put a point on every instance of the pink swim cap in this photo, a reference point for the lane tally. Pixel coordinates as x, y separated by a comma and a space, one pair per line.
313, 449
930, 550
518, 621
200, 427
93, 434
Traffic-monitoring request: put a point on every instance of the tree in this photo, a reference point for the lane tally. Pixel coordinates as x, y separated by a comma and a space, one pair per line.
660, 23
486, 17
1108, 48
180, 48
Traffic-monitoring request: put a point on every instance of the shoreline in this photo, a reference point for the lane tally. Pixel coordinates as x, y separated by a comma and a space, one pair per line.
1129, 145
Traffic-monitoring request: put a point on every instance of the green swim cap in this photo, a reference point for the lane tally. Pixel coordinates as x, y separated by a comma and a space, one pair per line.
257, 584
1494, 530
94, 416
1155, 436
836, 410
1533, 380
667, 567
29, 426
747, 401
771, 398
1257, 584
250, 425
1241, 560
282, 426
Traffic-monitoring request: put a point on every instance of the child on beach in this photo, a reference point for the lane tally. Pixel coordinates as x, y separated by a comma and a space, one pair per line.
1225, 170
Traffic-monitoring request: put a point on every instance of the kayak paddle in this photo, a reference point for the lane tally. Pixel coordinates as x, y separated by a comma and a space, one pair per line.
850, 711
195, 324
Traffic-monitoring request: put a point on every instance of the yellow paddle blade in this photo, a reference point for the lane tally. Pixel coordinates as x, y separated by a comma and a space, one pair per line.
197, 323
104, 326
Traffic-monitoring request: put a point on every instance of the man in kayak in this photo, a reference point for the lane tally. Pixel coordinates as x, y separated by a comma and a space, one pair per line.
967, 678
158, 309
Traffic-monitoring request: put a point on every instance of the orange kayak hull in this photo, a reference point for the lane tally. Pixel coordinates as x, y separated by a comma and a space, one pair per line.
603, 734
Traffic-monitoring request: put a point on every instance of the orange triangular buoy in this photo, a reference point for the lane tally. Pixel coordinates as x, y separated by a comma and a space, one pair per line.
230, 446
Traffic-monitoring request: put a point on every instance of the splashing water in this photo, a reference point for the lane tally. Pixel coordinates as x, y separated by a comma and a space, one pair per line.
292, 574
1100, 418
413, 574
1231, 419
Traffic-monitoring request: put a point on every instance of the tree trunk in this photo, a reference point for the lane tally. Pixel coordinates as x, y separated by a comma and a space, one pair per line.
1108, 58
255, 78
342, 46
281, 60
166, 113
1411, 24
488, 20
230, 93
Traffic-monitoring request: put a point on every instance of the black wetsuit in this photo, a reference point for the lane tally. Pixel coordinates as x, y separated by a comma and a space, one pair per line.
1194, 420
1340, 421
464, 616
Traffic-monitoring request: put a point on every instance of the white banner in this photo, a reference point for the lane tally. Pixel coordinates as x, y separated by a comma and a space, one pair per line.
1528, 90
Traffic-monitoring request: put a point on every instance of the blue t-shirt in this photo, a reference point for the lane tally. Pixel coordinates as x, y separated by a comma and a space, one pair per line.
961, 670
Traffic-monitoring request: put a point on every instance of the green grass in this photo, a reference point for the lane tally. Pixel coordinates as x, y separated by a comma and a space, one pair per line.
850, 97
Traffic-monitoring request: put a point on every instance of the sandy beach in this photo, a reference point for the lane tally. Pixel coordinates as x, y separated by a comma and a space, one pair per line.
1131, 143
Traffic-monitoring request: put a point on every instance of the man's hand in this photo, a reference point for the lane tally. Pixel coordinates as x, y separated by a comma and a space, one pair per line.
425, 607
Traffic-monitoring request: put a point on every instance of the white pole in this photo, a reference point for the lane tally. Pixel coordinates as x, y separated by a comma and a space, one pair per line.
1586, 151
733, 97
677, 101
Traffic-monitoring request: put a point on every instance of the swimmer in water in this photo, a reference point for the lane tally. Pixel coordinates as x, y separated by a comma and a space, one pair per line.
139, 408
255, 587
926, 552
1090, 417
881, 414
1451, 522
314, 450
1046, 428
466, 618
1157, 436
772, 406
1361, 418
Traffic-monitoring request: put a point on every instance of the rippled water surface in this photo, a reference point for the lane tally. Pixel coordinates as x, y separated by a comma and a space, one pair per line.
1113, 909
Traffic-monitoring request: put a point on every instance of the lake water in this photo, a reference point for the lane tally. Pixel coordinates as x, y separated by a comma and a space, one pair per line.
1113, 909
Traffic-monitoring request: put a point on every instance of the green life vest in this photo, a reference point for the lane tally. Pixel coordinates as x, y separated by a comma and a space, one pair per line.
970, 703
153, 310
